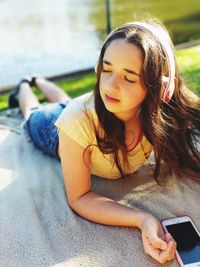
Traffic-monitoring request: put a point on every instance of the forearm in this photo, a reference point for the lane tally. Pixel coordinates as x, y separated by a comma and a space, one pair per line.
103, 210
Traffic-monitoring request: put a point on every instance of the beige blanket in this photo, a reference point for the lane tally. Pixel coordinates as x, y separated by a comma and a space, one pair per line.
37, 227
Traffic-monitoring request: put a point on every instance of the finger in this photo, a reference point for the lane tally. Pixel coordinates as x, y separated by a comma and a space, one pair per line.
174, 246
158, 243
152, 251
168, 237
155, 254
162, 256
169, 254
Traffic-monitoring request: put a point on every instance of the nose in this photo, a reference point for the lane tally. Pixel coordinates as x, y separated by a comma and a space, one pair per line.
113, 82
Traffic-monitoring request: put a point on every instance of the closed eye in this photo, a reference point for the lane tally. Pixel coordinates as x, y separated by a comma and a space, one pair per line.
103, 70
130, 81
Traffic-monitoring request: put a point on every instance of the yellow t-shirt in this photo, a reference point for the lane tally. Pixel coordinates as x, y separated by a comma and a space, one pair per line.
75, 123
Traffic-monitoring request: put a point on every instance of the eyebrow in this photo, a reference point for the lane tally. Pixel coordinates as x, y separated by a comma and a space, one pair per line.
127, 70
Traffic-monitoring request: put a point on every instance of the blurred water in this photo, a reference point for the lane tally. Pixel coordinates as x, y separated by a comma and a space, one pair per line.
43, 37
55, 37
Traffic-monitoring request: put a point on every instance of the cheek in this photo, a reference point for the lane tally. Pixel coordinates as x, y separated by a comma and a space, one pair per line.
101, 84
144, 92
136, 93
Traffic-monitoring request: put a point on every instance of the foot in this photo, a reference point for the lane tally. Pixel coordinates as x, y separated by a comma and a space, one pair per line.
33, 78
13, 101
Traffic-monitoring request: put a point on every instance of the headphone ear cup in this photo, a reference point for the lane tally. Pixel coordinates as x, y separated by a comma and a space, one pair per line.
96, 66
165, 89
165, 82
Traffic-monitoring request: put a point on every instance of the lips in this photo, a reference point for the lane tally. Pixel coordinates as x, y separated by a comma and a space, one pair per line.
111, 99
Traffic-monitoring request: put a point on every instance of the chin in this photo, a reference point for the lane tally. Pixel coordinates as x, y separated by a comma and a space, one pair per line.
111, 109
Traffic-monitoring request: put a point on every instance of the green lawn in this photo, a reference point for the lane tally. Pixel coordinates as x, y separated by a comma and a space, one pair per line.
188, 60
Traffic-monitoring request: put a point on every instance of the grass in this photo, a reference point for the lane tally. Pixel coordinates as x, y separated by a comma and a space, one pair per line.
188, 60
73, 86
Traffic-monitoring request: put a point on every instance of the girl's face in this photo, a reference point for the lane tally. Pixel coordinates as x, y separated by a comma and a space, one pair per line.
121, 87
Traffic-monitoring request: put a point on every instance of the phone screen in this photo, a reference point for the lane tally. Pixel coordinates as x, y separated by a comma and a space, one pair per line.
188, 241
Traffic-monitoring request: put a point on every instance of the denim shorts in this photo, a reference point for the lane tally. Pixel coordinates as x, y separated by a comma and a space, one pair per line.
41, 128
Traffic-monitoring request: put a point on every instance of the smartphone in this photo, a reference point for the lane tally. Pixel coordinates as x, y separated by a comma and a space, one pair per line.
187, 237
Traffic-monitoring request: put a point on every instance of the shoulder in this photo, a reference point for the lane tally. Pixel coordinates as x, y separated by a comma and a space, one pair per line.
77, 109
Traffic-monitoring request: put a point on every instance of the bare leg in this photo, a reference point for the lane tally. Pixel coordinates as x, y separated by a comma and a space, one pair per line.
51, 91
27, 100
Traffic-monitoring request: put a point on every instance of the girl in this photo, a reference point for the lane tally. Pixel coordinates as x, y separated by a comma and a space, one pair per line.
139, 103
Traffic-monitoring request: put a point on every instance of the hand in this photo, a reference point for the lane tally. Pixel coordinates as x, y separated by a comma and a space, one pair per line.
156, 243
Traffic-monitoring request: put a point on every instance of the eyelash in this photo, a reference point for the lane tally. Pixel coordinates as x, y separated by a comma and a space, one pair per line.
130, 81
126, 79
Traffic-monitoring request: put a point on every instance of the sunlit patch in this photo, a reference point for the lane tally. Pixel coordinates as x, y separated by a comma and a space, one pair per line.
6, 178
4, 134
74, 261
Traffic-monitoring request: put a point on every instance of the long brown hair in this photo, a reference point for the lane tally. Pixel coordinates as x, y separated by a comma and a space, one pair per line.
172, 128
